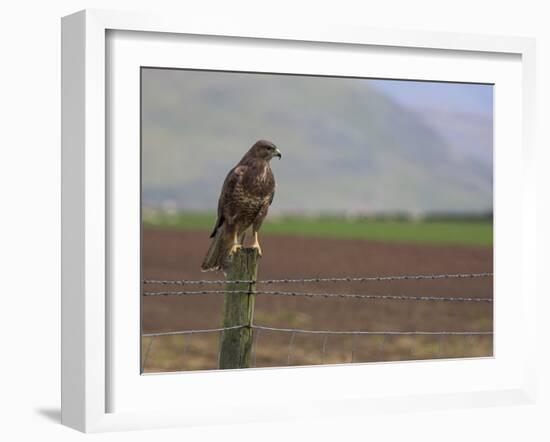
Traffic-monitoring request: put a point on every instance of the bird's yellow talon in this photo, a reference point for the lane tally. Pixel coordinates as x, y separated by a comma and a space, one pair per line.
258, 248
234, 249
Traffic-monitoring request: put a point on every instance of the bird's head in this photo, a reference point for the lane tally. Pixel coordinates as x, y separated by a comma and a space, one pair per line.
264, 150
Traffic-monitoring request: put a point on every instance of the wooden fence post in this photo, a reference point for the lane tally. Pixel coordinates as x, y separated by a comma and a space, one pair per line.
238, 309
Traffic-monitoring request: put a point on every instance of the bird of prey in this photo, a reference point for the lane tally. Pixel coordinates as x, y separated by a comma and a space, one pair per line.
246, 195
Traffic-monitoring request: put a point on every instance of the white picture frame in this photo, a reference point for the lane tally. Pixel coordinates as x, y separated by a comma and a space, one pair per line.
88, 205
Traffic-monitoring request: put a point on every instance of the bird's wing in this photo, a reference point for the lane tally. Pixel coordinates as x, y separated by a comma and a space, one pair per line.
233, 178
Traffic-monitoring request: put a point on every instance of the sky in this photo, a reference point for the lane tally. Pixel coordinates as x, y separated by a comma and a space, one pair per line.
461, 113
462, 98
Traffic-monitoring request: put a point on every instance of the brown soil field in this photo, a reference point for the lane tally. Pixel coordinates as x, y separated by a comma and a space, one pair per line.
170, 254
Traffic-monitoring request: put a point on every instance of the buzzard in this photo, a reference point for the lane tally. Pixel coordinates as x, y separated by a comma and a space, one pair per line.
247, 193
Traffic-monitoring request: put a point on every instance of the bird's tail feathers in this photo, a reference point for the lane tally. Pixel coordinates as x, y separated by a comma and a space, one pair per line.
218, 253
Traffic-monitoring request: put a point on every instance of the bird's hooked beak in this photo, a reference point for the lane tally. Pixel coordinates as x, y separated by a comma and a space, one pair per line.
278, 153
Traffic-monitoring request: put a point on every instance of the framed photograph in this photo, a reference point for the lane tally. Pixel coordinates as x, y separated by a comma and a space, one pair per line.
354, 196
251, 213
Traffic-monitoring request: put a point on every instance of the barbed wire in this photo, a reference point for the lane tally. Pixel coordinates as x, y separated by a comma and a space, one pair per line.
321, 295
324, 332
317, 280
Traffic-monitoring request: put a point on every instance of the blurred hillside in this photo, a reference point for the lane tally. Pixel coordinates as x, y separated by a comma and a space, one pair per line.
347, 146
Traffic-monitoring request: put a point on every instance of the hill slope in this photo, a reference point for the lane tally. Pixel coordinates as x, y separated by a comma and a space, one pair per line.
346, 146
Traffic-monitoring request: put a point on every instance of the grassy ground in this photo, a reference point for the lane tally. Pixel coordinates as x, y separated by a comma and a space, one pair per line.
473, 233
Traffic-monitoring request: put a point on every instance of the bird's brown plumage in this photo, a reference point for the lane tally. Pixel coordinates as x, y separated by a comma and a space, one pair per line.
246, 195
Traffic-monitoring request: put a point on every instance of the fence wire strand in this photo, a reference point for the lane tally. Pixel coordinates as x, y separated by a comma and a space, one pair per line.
290, 348
353, 347
256, 341
324, 350
324, 332
321, 295
375, 333
381, 346
187, 332
316, 280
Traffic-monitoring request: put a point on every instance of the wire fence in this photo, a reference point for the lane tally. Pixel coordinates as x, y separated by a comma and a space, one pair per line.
322, 332
317, 280
325, 333
322, 295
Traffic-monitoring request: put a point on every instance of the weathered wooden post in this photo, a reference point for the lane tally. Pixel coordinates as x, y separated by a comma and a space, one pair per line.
238, 309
